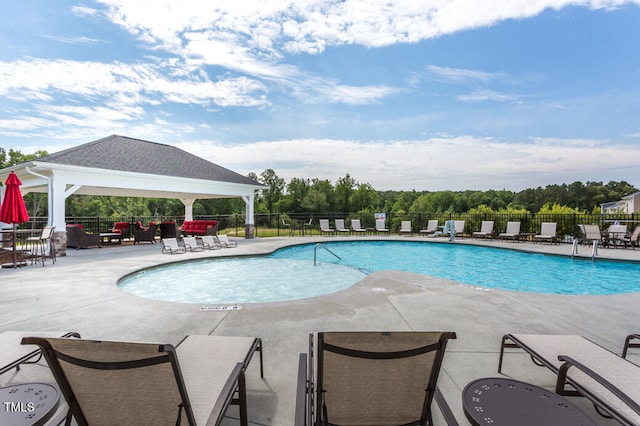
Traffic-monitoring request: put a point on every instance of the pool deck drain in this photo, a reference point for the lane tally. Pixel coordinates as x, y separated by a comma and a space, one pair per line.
79, 293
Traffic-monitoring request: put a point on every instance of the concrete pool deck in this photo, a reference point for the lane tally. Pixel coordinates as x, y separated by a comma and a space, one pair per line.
79, 293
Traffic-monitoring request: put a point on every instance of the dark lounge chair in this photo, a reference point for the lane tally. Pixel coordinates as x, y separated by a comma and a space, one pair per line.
585, 368
77, 238
107, 382
145, 234
367, 378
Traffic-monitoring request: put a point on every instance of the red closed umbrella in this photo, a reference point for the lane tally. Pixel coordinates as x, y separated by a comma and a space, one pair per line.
13, 209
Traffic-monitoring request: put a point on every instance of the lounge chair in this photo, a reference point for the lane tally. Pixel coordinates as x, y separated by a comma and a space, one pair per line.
459, 227
608, 380
13, 354
371, 378
405, 228
591, 233
210, 243
171, 246
432, 227
226, 242
512, 232
340, 228
486, 230
191, 244
356, 227
632, 241
325, 228
547, 233
107, 382
380, 228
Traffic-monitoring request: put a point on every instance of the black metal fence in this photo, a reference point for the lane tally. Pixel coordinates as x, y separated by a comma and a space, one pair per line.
287, 223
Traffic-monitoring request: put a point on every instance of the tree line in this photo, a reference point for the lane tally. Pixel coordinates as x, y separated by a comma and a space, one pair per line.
346, 194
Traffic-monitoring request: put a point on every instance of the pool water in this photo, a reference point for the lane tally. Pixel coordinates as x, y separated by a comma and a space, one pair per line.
289, 273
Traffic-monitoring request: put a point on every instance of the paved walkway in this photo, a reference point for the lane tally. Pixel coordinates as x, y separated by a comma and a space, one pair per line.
79, 293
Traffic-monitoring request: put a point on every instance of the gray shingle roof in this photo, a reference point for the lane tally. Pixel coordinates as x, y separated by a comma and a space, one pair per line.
135, 155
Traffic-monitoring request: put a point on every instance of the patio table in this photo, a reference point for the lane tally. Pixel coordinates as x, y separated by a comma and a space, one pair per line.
500, 401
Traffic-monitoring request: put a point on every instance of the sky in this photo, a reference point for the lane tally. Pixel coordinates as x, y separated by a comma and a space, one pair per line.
422, 95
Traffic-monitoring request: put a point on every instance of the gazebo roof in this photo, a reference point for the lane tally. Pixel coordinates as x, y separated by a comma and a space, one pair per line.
124, 166
135, 155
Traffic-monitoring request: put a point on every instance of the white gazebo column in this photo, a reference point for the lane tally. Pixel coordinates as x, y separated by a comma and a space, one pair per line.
57, 216
249, 220
188, 207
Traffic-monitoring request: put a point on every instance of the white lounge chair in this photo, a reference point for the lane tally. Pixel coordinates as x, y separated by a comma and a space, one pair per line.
380, 228
340, 228
356, 227
432, 227
486, 230
512, 232
170, 245
459, 227
405, 228
547, 233
191, 244
226, 242
325, 228
209, 242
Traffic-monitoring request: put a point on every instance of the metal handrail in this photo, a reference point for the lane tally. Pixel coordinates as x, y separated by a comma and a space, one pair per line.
315, 254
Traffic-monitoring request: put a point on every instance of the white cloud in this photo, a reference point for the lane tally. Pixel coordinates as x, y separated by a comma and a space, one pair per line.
455, 163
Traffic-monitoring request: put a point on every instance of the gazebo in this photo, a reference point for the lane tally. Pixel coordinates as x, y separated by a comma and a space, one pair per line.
123, 166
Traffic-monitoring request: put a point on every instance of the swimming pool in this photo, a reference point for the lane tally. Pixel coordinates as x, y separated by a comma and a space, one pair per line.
289, 273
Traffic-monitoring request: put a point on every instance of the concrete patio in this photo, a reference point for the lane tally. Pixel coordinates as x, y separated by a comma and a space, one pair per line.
79, 293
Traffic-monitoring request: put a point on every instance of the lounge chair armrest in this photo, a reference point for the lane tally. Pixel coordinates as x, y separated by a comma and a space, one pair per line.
444, 408
302, 408
570, 362
221, 405
628, 344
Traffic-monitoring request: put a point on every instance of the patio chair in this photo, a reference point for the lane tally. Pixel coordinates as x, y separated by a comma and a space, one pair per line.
191, 244
459, 227
13, 354
226, 242
109, 382
371, 378
591, 233
380, 227
615, 235
145, 234
632, 241
356, 227
512, 232
171, 246
608, 380
432, 227
41, 247
76, 237
325, 228
209, 242
340, 228
547, 233
405, 228
486, 230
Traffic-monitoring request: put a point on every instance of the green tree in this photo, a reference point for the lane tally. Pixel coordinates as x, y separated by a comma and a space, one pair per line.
275, 189
344, 190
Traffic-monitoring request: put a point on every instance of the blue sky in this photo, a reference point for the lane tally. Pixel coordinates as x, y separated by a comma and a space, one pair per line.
424, 95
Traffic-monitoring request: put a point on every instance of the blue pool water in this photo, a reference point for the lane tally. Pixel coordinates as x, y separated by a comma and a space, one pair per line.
289, 273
